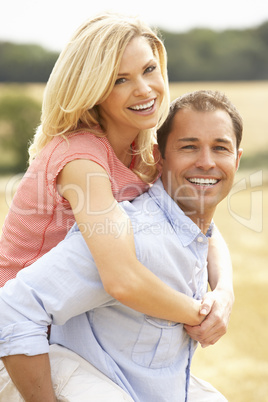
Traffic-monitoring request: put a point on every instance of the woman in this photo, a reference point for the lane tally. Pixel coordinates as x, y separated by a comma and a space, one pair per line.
106, 95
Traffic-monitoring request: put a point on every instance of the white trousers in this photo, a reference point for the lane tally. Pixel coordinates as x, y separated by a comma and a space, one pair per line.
76, 380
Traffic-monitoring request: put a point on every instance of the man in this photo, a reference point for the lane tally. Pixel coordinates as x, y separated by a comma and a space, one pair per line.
143, 358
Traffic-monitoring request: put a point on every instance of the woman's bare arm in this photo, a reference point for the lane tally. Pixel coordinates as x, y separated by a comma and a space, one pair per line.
107, 231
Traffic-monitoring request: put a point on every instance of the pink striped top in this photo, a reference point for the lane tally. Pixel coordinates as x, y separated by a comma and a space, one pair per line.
39, 217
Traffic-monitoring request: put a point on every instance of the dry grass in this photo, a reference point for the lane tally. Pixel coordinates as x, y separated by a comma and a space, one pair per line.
238, 364
34, 91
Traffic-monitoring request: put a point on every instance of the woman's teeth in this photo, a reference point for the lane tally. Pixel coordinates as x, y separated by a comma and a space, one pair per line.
144, 106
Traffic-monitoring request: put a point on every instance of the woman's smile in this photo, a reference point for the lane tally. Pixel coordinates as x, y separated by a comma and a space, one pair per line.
133, 105
148, 106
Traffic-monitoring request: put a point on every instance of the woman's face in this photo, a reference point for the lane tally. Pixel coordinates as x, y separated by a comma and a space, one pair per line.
133, 105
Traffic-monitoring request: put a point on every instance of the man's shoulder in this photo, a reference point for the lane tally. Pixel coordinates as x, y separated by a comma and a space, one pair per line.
143, 210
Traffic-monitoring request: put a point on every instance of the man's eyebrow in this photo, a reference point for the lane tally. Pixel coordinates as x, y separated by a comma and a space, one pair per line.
223, 140
188, 139
194, 139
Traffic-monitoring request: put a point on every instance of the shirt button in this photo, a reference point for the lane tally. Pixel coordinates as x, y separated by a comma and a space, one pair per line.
200, 239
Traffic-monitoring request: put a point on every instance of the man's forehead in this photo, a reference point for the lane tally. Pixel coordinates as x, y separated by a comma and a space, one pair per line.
188, 114
193, 125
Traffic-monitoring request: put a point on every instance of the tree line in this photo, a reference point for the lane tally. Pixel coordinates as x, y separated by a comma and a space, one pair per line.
196, 55
207, 55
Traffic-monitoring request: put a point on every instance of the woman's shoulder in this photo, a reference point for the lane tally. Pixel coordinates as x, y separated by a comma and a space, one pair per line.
72, 145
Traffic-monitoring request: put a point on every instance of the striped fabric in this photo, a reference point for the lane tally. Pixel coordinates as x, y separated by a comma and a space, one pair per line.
39, 217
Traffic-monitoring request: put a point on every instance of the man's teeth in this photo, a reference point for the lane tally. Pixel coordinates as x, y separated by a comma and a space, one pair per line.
144, 106
203, 182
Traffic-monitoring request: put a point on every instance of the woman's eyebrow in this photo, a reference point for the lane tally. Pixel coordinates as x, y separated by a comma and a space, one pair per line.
122, 74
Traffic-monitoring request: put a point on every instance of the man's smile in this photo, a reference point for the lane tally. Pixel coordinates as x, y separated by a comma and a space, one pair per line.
200, 181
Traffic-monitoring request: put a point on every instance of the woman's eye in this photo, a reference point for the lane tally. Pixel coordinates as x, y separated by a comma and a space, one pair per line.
120, 81
150, 69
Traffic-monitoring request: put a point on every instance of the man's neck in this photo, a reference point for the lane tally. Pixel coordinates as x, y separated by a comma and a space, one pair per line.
203, 221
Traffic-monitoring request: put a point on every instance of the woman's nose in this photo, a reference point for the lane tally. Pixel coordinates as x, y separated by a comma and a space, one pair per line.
142, 88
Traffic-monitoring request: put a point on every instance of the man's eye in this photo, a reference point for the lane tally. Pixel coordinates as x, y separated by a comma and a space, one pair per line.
189, 147
220, 148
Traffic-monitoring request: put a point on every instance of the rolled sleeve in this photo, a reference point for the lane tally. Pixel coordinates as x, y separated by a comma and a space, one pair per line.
18, 334
23, 338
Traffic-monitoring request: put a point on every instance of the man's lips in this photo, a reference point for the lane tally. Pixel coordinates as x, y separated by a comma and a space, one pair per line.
202, 181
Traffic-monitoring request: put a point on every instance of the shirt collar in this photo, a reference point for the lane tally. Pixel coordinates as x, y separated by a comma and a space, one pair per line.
185, 228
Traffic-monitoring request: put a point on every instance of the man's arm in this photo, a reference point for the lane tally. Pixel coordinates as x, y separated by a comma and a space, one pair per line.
31, 375
220, 300
52, 290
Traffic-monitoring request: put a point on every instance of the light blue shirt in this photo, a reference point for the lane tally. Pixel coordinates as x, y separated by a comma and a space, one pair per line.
148, 357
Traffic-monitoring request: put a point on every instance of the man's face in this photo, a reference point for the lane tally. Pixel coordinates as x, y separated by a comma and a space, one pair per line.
200, 161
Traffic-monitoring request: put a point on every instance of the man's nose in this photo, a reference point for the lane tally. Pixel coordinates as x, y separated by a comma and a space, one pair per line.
205, 159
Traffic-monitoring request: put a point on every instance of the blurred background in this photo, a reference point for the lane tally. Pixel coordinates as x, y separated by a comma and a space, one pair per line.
209, 46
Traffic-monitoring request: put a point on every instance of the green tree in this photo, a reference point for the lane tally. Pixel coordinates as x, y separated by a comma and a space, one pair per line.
25, 63
20, 115
262, 32
207, 55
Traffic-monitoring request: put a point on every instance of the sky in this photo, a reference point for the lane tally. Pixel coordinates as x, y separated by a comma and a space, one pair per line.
51, 23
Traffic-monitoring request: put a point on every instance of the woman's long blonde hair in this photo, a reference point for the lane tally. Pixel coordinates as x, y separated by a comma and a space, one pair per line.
84, 75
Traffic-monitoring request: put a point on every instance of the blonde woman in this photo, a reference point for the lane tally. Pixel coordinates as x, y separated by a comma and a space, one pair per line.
107, 94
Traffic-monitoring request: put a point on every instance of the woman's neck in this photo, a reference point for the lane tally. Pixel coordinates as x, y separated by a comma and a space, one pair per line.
122, 148
124, 155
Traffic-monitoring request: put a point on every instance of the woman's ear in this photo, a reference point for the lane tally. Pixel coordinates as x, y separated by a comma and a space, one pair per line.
158, 158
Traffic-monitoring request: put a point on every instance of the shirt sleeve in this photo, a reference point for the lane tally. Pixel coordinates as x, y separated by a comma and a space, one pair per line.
60, 285
84, 145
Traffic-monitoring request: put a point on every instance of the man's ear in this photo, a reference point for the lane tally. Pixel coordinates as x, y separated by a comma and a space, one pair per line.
239, 154
158, 158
